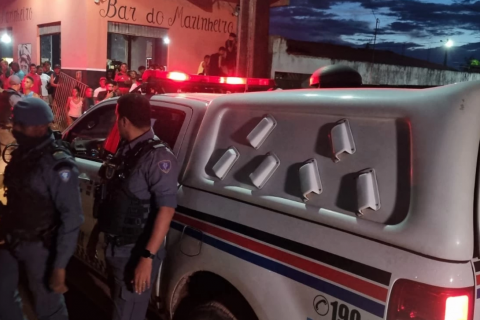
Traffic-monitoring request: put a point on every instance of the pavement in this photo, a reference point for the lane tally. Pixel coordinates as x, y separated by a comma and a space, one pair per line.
88, 296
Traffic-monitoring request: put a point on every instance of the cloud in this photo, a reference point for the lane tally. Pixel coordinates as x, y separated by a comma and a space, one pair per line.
423, 14
407, 26
301, 23
414, 17
403, 26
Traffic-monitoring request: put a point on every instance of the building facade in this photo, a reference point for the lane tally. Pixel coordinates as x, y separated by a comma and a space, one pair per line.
84, 36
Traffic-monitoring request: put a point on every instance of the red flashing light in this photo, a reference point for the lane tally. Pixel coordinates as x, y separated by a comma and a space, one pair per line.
413, 300
236, 80
260, 82
177, 76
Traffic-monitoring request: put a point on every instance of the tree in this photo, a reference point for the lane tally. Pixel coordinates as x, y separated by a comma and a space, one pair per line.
471, 64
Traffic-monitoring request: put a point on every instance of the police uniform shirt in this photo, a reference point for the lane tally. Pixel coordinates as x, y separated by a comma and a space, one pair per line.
59, 181
15, 97
155, 175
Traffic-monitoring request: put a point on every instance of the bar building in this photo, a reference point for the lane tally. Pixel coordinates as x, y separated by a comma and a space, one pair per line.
85, 36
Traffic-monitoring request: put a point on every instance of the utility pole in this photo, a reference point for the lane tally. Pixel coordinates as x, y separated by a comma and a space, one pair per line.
375, 38
448, 45
253, 39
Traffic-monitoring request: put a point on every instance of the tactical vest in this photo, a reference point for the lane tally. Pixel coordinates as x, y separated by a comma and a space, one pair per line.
122, 216
30, 215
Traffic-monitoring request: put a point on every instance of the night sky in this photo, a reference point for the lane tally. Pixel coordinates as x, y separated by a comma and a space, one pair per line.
414, 27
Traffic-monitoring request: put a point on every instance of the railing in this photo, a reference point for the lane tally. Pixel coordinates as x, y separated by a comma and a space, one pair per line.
64, 90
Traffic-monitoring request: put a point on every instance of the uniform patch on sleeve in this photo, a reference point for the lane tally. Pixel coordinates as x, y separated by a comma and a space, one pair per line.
165, 166
65, 174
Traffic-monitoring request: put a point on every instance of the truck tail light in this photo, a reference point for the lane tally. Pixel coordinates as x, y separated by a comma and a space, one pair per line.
413, 300
177, 76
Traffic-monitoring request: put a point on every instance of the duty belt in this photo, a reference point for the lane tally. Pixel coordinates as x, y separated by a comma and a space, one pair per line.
120, 241
16, 237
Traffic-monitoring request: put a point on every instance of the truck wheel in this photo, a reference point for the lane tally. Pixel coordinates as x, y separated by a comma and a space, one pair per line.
211, 311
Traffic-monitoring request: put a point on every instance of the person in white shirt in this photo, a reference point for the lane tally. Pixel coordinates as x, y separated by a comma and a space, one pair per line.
74, 105
102, 82
45, 80
203, 67
135, 80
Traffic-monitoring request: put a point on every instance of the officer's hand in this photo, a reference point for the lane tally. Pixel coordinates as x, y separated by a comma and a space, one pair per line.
143, 272
57, 281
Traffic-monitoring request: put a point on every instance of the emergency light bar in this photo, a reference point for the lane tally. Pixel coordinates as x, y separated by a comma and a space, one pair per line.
175, 81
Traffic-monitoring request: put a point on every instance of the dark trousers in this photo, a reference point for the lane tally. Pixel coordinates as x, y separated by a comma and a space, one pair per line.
35, 257
121, 263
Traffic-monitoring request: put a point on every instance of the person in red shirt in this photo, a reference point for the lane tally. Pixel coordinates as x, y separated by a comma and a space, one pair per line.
123, 79
37, 82
122, 75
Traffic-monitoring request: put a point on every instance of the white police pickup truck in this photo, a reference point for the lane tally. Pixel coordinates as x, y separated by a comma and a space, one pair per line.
314, 204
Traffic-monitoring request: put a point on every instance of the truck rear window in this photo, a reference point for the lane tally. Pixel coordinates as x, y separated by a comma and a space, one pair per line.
167, 123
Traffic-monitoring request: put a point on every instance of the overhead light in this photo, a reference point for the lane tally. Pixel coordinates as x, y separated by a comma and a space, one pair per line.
166, 40
236, 11
449, 44
6, 38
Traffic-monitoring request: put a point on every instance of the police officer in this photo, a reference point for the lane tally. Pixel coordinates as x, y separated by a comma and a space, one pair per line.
41, 220
9, 97
137, 207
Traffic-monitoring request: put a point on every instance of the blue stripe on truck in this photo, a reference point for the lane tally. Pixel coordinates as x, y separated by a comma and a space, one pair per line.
345, 264
347, 296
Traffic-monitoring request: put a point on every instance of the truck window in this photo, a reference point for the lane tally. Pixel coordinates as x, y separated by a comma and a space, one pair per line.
89, 133
167, 124
95, 125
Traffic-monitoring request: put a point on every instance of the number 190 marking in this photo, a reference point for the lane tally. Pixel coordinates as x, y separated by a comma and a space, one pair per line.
343, 313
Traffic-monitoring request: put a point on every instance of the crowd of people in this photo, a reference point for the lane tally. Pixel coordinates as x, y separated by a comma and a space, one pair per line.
42, 82
119, 82
223, 62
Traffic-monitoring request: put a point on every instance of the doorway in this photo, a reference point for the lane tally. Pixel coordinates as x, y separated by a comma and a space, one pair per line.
135, 45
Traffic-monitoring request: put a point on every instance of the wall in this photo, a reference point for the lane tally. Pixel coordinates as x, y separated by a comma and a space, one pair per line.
378, 74
193, 30
23, 16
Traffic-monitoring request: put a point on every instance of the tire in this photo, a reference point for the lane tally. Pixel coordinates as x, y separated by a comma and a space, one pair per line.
213, 310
